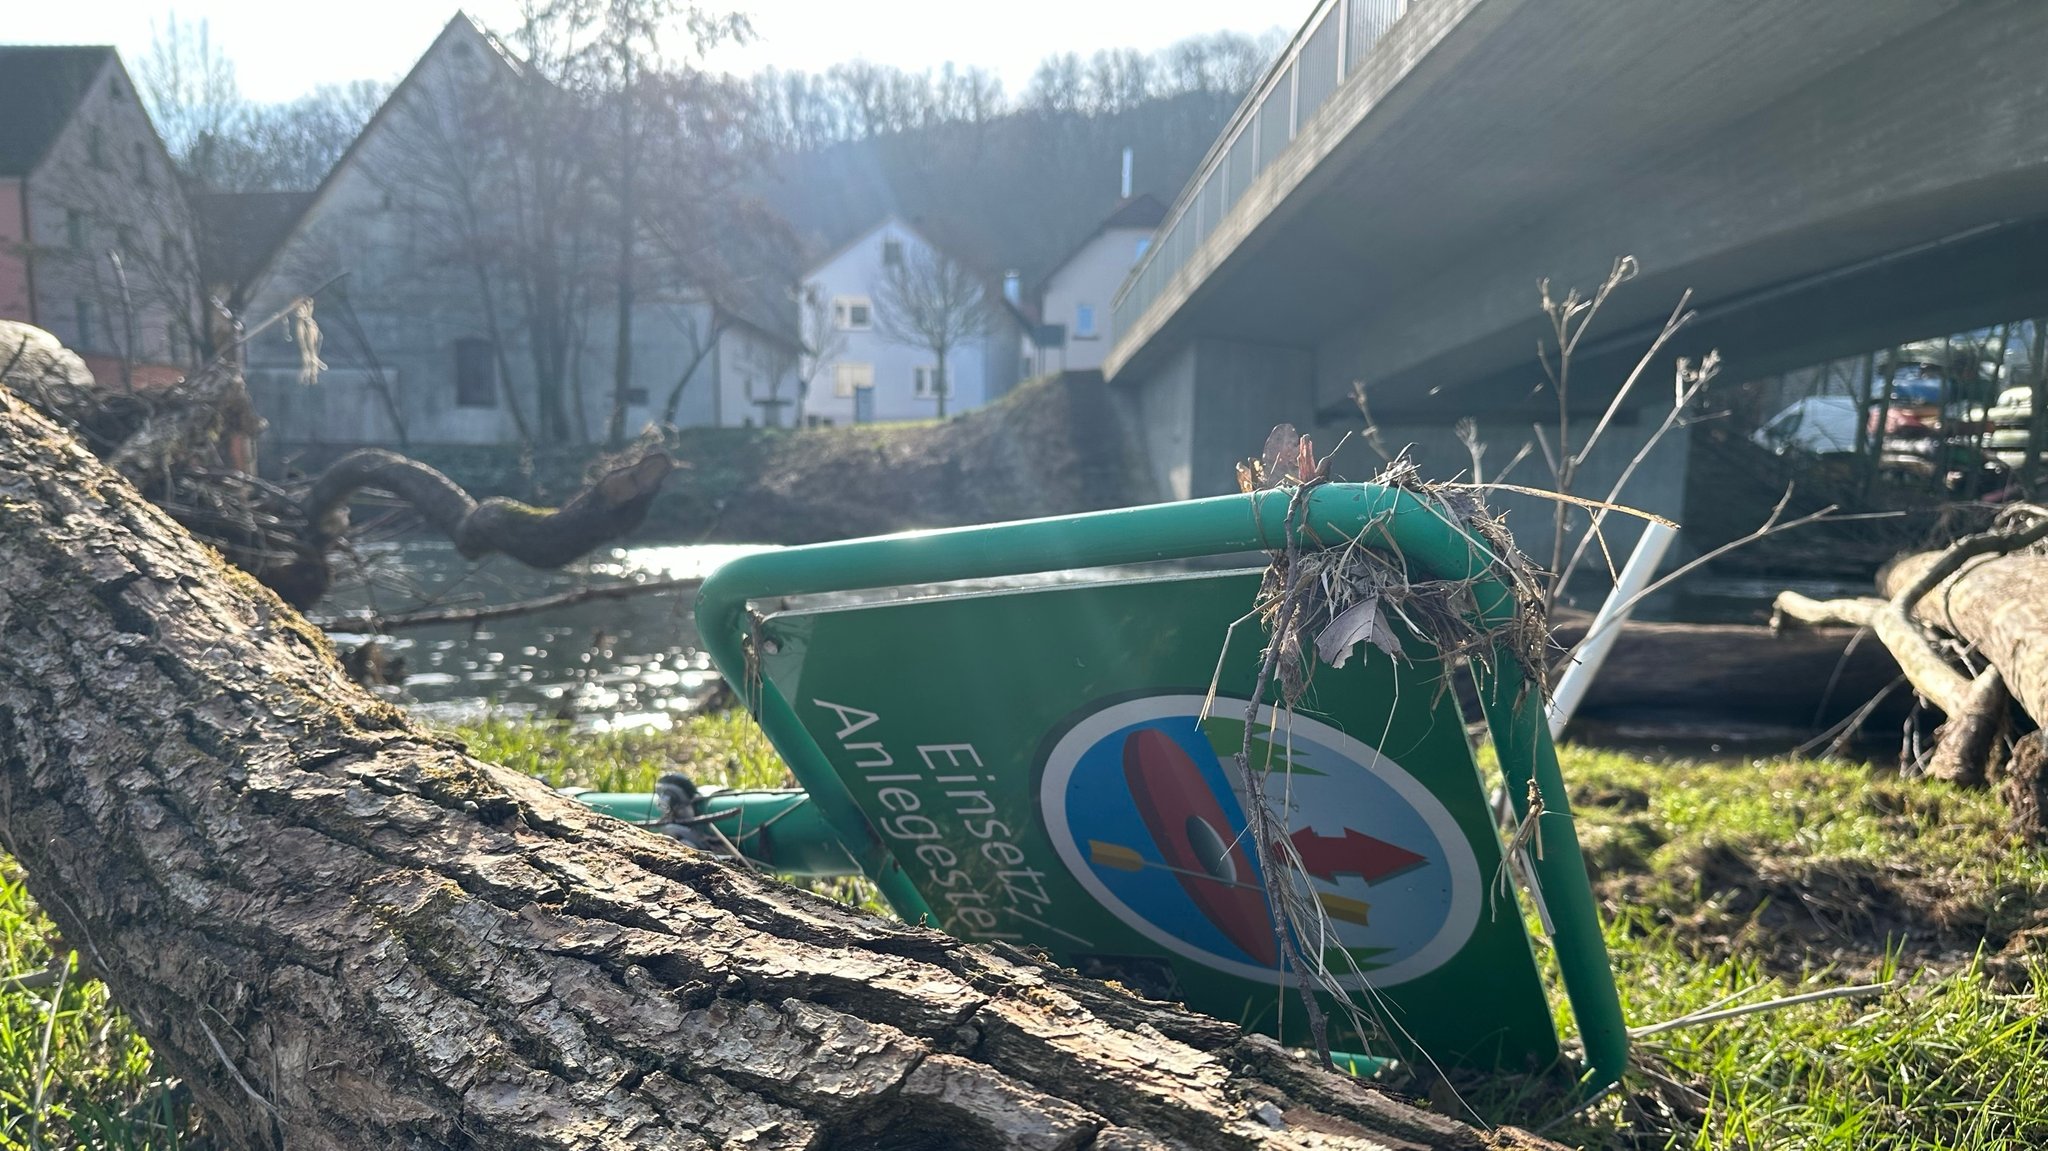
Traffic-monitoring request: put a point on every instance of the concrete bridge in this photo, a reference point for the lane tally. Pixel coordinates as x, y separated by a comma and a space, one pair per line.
1828, 176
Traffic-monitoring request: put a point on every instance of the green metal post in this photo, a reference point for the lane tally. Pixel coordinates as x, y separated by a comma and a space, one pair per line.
779, 828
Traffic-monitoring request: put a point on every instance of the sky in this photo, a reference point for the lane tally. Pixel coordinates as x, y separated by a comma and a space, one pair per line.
281, 51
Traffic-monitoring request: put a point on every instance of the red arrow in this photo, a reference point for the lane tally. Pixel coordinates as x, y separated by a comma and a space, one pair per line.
1352, 853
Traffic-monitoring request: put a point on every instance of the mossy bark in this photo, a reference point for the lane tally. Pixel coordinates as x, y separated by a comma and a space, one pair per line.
541, 537
344, 932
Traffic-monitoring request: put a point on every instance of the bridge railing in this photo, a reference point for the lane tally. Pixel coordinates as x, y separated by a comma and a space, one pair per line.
1321, 56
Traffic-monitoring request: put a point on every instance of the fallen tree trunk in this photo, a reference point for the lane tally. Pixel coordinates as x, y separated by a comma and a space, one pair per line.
183, 448
1794, 678
343, 932
1926, 669
1999, 605
609, 507
1991, 600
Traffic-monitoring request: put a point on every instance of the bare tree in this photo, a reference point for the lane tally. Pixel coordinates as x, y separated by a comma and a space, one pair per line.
701, 323
716, 245
190, 87
613, 56
930, 300
220, 140
126, 254
823, 341
455, 163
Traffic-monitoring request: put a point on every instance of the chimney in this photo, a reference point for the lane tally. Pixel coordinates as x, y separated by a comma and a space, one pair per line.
1127, 175
1013, 288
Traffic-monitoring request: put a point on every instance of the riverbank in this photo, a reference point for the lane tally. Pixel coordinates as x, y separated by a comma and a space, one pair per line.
1052, 446
1722, 883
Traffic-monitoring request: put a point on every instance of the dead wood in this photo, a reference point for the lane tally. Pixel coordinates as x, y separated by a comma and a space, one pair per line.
1968, 749
344, 932
2026, 787
539, 537
1997, 604
186, 449
1979, 594
378, 622
1927, 669
1790, 605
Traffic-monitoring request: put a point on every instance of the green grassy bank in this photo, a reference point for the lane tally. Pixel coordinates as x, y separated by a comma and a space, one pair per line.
1723, 884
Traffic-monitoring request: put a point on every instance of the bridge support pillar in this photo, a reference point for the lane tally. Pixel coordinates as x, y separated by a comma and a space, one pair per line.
1212, 404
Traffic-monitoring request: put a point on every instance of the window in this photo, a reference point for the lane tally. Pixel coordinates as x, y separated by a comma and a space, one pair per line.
96, 147
850, 378
852, 314
142, 164
124, 236
174, 342
1084, 321
173, 259
476, 373
74, 229
83, 309
926, 382
636, 397
892, 253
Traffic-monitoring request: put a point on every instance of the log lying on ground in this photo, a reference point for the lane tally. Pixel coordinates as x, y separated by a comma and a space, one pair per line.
609, 507
1995, 603
1793, 678
1999, 604
182, 447
345, 933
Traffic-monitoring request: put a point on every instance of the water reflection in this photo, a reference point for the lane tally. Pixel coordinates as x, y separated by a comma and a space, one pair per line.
621, 663
632, 662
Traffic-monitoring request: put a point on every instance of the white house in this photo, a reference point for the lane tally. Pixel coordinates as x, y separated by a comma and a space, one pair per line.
861, 375
1073, 300
429, 338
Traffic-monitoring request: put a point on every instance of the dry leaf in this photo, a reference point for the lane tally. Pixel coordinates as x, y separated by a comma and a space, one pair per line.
1362, 622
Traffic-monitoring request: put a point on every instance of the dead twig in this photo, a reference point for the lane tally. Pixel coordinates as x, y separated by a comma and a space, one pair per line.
378, 622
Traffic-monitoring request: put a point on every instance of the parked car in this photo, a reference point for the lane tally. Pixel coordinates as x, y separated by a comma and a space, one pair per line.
1822, 425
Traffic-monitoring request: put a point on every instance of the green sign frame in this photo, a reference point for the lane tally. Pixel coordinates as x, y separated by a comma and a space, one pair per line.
1389, 519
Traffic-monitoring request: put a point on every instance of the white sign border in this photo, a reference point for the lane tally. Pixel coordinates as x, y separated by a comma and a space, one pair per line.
1065, 756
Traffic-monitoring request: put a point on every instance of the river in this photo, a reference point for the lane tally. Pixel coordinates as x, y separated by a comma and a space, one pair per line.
632, 662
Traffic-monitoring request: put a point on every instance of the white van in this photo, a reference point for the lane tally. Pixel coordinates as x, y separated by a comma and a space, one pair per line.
1817, 424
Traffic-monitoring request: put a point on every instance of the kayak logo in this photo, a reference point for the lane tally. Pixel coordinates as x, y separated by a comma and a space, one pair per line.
1139, 801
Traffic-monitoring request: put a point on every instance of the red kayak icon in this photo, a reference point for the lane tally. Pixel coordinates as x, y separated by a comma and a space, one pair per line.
1198, 842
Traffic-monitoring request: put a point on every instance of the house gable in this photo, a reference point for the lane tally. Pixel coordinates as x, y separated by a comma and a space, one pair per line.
328, 199
102, 254
41, 89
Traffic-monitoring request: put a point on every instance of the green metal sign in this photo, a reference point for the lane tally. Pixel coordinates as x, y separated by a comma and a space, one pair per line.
1038, 765
1035, 766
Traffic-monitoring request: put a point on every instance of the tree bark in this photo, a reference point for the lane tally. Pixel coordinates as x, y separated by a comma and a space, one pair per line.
343, 932
539, 537
1926, 669
1999, 604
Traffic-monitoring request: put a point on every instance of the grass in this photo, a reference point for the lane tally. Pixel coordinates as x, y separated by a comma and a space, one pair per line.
73, 1073
1773, 878
1748, 880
